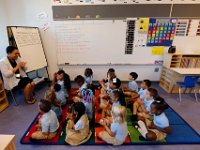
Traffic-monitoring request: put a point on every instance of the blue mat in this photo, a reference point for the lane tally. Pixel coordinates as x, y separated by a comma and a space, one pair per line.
182, 132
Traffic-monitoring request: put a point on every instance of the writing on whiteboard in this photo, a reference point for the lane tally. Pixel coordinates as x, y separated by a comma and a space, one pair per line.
24, 38
71, 39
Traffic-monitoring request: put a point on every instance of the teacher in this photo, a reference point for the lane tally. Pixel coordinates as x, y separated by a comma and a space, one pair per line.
14, 75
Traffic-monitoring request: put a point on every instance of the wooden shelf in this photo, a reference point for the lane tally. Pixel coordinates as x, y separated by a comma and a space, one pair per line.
167, 80
3, 106
181, 60
3, 98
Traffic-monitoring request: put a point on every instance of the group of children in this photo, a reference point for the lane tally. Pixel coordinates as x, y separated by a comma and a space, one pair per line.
147, 108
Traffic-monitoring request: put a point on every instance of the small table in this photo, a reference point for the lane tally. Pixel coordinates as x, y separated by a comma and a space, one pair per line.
7, 142
187, 71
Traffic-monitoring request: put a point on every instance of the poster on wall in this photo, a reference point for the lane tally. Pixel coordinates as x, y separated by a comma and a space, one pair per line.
161, 32
142, 30
143, 24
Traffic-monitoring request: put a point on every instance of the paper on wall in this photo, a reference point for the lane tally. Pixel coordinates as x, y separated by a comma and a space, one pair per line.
157, 50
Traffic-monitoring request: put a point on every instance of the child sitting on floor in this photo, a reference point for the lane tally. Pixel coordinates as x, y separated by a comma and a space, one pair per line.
77, 130
84, 95
63, 79
116, 99
60, 95
105, 84
88, 75
132, 84
141, 94
110, 70
118, 131
159, 128
48, 124
142, 109
131, 90
50, 95
143, 88
114, 85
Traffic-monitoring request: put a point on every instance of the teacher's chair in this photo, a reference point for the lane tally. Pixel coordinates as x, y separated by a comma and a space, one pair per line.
9, 91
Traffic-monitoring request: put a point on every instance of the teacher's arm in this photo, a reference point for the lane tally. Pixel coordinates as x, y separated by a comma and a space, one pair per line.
6, 71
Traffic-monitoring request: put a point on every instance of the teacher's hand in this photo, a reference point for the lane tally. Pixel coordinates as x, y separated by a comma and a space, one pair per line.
22, 64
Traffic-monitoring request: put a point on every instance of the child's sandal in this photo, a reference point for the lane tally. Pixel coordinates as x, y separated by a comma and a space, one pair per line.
33, 100
28, 101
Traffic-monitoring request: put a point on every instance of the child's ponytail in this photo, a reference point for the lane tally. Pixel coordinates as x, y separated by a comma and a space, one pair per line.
67, 82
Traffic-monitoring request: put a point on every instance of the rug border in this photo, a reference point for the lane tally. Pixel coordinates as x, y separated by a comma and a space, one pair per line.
101, 144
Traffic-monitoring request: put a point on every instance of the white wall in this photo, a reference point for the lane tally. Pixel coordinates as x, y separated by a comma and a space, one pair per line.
24, 14
3, 33
187, 45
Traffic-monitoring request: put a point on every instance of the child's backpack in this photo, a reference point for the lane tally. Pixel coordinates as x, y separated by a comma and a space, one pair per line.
87, 95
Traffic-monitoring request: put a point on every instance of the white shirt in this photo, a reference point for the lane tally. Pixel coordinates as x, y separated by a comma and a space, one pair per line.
107, 84
133, 85
84, 86
161, 120
79, 125
61, 83
10, 81
120, 130
147, 104
142, 93
49, 122
88, 80
60, 96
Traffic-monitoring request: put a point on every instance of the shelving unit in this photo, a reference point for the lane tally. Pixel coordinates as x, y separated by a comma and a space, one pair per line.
169, 77
3, 97
175, 60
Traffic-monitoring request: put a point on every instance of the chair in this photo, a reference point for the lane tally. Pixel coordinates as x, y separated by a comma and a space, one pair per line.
198, 84
9, 91
189, 82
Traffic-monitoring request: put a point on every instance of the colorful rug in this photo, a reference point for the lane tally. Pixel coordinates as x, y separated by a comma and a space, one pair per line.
182, 132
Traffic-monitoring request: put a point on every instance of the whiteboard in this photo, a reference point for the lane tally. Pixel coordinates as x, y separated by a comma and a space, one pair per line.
97, 42
30, 47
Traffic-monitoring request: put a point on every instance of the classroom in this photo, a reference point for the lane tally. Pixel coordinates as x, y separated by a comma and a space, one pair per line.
94, 74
